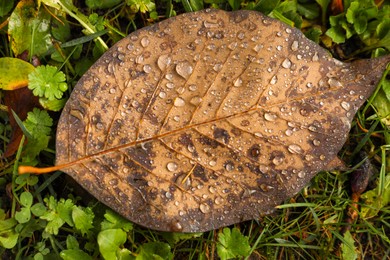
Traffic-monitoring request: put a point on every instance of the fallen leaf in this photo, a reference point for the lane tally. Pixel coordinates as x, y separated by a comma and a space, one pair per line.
208, 119
21, 101
29, 29
14, 73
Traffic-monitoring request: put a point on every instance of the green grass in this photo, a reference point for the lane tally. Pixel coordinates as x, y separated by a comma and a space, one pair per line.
50, 217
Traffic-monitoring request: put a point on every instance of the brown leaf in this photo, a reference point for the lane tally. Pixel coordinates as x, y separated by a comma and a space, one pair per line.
21, 101
208, 119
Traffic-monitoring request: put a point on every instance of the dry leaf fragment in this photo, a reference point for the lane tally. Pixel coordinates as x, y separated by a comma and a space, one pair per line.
208, 119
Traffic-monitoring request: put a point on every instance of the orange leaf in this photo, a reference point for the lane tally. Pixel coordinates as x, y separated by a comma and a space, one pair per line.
209, 119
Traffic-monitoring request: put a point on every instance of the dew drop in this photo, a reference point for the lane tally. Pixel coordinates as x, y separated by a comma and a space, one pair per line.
212, 163
139, 59
232, 46
345, 105
145, 41
316, 142
274, 80
112, 90
294, 148
270, 117
162, 94
217, 67
241, 35
315, 57
204, 208
288, 30
191, 148
334, 82
258, 47
277, 160
238, 82
286, 63
163, 61
309, 85
147, 68
289, 132
301, 174
218, 200
111, 67
184, 69
322, 157
209, 24
168, 195
192, 87
121, 57
170, 85
212, 189
130, 47
196, 100
179, 102
172, 166
294, 46
229, 167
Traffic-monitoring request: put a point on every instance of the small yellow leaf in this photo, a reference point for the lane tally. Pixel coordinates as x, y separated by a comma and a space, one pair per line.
14, 73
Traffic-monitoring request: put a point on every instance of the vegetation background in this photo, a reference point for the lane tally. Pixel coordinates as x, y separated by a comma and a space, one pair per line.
340, 215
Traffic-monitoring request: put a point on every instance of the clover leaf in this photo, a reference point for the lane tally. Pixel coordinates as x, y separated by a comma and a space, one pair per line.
47, 81
231, 244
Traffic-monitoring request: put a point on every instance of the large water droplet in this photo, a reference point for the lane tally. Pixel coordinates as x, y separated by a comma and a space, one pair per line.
218, 200
258, 47
229, 167
294, 46
277, 160
209, 24
270, 117
212, 163
217, 67
196, 100
168, 195
170, 85
286, 63
334, 82
316, 142
294, 148
204, 208
192, 87
273, 80
172, 166
315, 57
147, 68
238, 82
139, 59
212, 189
345, 105
164, 61
184, 69
145, 41
179, 102
162, 94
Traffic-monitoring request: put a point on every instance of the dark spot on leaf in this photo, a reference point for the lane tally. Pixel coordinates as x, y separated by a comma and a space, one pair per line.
220, 133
